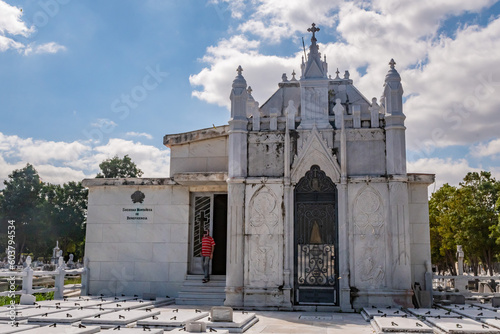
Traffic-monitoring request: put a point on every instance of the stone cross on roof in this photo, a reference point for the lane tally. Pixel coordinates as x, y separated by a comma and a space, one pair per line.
392, 63
239, 70
313, 29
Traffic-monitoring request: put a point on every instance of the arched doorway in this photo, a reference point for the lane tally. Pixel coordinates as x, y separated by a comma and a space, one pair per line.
316, 239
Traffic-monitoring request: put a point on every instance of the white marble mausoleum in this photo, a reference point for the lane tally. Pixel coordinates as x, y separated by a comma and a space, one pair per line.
307, 197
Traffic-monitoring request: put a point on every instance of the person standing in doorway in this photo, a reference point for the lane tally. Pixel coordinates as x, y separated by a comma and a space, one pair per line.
207, 252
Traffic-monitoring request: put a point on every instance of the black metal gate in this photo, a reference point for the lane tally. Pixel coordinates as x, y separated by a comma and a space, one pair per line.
316, 236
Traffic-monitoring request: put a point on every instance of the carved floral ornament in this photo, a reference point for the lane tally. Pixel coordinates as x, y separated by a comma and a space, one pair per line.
263, 209
368, 213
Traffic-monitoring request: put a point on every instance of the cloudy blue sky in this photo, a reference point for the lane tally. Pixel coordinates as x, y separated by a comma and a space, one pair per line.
82, 81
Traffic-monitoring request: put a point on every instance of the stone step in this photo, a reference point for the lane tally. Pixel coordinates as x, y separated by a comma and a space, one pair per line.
195, 292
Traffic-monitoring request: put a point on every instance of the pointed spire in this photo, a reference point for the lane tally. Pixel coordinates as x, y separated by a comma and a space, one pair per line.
249, 90
315, 67
393, 74
239, 81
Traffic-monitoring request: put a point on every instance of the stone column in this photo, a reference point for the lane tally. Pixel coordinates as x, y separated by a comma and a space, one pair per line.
237, 172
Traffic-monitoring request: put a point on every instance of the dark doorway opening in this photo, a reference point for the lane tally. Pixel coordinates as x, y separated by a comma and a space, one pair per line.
219, 234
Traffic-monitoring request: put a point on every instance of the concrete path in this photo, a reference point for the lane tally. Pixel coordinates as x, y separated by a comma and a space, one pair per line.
310, 323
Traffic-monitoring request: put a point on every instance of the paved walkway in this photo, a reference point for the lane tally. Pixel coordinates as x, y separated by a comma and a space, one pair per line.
283, 322
309, 323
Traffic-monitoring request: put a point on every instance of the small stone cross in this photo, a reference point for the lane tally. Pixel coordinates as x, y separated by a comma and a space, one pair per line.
239, 70
392, 63
313, 29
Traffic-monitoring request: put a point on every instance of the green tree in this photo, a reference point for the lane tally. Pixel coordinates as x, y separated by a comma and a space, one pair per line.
67, 208
480, 225
443, 227
119, 168
22, 202
467, 216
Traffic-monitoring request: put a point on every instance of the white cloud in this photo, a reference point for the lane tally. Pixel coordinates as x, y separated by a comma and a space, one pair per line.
11, 24
446, 170
262, 72
10, 21
139, 134
51, 47
59, 162
490, 149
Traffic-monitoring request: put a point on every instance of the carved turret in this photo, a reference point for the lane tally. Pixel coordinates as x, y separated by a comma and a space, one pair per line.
238, 127
394, 122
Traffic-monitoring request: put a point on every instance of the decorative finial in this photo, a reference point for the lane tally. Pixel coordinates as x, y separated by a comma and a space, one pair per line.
313, 29
392, 63
337, 77
284, 78
347, 75
239, 70
293, 76
249, 90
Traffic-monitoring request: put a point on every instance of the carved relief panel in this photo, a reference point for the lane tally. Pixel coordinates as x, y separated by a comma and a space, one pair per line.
368, 216
264, 235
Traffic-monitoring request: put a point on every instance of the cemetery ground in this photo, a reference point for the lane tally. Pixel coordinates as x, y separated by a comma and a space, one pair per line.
92, 314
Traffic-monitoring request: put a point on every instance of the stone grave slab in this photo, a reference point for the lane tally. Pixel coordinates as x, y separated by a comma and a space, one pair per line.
461, 326
136, 331
477, 314
241, 322
492, 322
66, 317
369, 312
433, 312
121, 318
125, 305
77, 303
6, 308
399, 325
8, 328
24, 314
173, 318
487, 306
63, 329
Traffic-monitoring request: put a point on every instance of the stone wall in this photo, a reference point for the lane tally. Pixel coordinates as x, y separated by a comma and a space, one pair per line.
134, 252
420, 242
208, 155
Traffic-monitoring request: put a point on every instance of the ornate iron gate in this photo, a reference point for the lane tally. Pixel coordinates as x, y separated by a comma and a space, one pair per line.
315, 235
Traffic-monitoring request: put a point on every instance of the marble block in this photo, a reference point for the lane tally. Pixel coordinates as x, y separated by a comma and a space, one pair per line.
241, 322
455, 326
370, 312
27, 299
221, 313
126, 304
172, 318
399, 325
63, 329
120, 318
65, 317
433, 313
476, 314
196, 327
7, 328
31, 312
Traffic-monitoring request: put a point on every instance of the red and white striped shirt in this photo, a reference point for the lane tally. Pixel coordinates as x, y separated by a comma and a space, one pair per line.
207, 242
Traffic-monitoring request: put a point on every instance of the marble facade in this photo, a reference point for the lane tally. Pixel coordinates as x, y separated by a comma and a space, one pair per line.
320, 209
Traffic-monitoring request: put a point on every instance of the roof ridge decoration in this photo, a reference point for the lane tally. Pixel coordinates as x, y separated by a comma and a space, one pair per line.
315, 68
